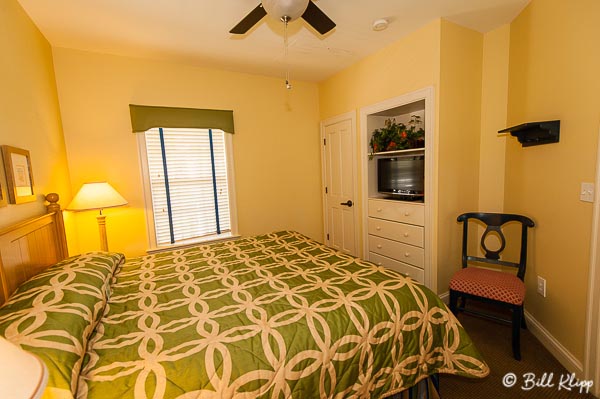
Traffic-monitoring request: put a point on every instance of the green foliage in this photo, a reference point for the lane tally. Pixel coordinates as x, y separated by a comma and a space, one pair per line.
397, 136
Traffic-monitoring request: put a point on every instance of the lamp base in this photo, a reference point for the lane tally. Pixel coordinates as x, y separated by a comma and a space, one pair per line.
102, 228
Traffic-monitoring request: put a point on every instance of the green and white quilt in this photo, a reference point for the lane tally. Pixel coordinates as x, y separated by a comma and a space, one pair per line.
272, 316
53, 314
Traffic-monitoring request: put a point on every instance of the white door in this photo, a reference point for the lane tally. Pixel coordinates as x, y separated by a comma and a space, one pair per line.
340, 174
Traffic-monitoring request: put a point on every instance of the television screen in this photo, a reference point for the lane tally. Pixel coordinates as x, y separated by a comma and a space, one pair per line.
402, 175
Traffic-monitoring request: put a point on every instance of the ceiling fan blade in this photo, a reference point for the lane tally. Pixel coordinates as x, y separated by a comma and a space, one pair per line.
317, 19
249, 20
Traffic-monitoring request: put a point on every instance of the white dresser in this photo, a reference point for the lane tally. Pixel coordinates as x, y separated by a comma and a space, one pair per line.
396, 236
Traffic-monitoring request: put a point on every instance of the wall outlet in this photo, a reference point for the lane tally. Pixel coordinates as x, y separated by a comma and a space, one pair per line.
587, 192
541, 286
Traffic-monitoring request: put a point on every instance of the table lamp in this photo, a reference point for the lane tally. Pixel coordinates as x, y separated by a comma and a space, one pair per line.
22, 374
97, 195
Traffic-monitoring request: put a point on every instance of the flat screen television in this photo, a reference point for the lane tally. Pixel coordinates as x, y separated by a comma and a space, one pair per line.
401, 177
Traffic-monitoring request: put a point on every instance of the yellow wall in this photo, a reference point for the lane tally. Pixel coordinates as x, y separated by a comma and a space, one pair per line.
494, 99
29, 112
276, 144
407, 65
554, 74
458, 142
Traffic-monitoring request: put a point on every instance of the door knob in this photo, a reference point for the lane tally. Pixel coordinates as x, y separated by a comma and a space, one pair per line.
347, 203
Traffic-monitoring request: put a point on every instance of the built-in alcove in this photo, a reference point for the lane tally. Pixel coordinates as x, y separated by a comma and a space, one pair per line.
535, 133
398, 210
376, 120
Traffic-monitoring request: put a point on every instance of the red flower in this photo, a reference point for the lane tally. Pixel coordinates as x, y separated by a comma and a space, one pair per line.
403, 135
391, 146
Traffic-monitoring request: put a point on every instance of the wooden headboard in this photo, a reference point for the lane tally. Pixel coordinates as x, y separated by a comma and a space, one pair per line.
31, 246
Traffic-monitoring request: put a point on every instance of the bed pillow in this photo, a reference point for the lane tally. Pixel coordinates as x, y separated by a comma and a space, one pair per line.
54, 313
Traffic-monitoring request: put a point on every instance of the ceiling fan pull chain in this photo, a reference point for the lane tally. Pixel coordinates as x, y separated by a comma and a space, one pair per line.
288, 85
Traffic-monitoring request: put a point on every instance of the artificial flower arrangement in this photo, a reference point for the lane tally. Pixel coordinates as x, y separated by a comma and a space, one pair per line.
397, 136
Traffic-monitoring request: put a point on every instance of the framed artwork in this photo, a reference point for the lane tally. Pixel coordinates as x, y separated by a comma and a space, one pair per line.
3, 199
19, 175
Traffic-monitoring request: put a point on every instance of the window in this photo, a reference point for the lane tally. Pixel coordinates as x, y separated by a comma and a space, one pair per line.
188, 184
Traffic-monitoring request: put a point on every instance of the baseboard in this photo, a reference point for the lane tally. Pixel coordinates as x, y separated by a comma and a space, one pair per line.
561, 353
445, 297
553, 346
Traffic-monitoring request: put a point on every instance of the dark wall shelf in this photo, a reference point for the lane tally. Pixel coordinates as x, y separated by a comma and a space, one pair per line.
535, 133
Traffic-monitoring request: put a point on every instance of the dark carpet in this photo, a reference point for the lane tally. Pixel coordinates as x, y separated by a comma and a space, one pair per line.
537, 365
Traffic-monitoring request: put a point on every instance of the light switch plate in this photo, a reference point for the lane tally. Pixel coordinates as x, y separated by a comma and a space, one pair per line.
587, 192
541, 286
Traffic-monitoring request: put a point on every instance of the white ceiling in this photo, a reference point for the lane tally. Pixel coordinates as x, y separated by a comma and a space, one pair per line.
196, 31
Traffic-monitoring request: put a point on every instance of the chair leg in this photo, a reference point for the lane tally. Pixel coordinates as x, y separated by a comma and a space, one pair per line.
516, 331
435, 379
453, 301
523, 324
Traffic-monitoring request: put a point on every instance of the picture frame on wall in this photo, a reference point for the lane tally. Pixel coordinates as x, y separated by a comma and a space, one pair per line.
19, 175
3, 198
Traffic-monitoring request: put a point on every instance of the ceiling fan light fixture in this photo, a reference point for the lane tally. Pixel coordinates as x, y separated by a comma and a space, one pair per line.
280, 9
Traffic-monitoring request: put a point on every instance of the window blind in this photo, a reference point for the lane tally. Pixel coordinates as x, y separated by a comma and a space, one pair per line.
188, 188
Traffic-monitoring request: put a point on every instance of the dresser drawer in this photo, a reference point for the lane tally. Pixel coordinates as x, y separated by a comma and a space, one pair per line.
397, 250
406, 233
413, 272
397, 211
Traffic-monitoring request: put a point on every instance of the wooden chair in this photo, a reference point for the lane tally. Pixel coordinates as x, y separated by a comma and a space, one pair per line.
503, 289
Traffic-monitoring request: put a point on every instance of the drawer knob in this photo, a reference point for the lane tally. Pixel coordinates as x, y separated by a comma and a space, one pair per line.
379, 246
407, 213
405, 234
378, 209
378, 263
407, 254
377, 228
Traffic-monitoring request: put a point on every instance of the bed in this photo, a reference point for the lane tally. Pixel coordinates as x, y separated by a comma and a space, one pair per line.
271, 316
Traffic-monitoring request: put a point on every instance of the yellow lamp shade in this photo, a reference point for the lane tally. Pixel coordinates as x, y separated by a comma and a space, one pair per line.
98, 195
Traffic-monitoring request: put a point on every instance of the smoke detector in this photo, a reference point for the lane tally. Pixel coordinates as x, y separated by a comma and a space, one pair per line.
380, 24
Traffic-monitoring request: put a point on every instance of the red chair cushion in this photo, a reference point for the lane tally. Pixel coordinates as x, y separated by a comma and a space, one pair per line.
490, 284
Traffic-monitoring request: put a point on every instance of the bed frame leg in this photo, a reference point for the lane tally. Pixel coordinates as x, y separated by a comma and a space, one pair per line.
415, 393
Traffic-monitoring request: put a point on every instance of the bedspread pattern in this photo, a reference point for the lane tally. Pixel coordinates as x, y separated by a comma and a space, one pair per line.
275, 316
54, 314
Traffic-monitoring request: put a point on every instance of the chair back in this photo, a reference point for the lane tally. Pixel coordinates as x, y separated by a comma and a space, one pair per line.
493, 223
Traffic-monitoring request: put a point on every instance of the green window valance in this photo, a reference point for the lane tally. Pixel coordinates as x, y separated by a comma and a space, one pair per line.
145, 117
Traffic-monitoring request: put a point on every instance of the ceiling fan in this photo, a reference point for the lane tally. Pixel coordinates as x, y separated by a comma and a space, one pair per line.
286, 11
